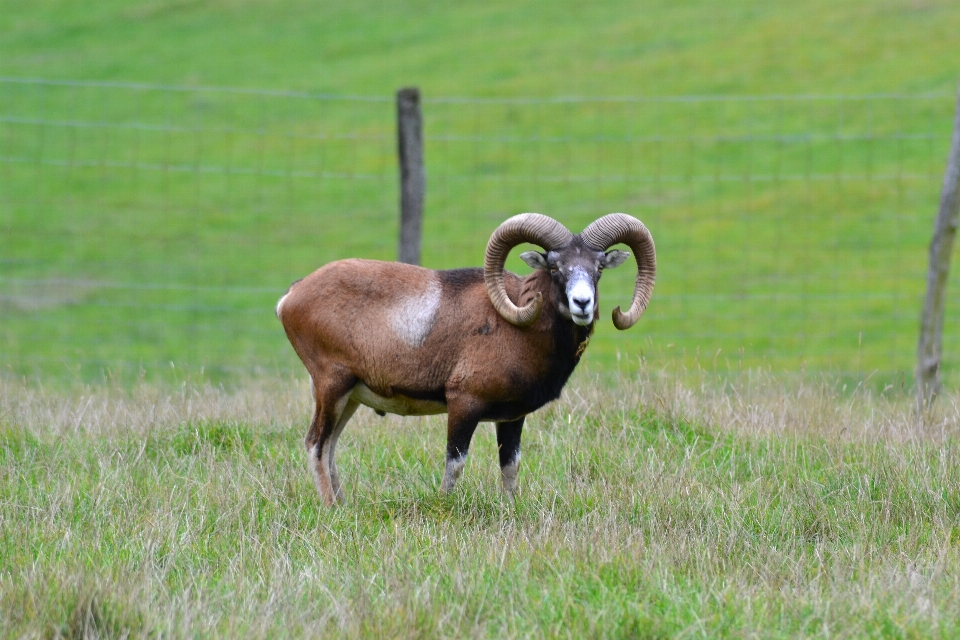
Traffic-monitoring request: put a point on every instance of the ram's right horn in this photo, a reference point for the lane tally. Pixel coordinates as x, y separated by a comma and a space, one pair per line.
614, 228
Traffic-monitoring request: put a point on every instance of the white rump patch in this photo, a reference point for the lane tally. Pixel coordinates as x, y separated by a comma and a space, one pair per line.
414, 317
280, 302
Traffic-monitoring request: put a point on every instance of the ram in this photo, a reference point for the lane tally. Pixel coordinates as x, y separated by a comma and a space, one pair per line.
477, 344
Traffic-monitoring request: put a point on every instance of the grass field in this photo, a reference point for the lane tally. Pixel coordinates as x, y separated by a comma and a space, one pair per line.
143, 226
493, 49
649, 508
745, 462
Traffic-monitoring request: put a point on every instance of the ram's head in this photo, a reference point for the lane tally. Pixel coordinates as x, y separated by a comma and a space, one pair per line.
575, 263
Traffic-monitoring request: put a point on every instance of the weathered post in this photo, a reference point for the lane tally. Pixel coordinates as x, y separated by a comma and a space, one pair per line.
413, 178
930, 347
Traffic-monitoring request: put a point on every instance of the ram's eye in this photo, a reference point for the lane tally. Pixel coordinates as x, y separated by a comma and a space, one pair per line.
600, 267
554, 269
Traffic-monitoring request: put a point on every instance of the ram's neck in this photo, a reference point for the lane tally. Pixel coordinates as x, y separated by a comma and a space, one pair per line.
560, 342
537, 282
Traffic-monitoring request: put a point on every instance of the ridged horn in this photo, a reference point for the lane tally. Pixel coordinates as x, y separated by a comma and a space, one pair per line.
611, 229
534, 228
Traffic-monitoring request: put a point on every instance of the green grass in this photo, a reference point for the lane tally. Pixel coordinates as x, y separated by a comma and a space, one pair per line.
493, 48
146, 233
141, 227
647, 509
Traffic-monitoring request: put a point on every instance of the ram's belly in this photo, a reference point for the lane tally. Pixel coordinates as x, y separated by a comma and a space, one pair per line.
398, 404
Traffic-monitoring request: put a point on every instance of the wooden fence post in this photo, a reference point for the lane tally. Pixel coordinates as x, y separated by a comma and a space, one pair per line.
413, 178
930, 347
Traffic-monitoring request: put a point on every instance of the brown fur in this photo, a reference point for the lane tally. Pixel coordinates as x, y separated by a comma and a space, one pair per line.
339, 321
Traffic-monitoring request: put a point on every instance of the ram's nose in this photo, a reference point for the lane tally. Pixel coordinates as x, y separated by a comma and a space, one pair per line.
582, 305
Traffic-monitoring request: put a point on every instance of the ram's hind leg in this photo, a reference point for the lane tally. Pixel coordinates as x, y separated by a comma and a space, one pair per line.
508, 442
331, 448
334, 409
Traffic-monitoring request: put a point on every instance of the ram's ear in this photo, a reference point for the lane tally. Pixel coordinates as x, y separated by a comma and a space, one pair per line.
615, 258
535, 259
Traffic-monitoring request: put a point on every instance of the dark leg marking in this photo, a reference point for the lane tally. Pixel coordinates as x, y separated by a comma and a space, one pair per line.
462, 419
508, 443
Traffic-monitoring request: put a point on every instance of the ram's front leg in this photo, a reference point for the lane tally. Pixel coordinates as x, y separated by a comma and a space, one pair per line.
462, 418
508, 442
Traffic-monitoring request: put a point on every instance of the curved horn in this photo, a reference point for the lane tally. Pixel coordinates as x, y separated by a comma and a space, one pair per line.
619, 227
534, 228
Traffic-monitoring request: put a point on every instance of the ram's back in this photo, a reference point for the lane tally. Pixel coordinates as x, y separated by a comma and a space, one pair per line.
397, 327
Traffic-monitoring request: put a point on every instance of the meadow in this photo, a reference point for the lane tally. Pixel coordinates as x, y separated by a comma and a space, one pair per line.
649, 507
150, 219
744, 462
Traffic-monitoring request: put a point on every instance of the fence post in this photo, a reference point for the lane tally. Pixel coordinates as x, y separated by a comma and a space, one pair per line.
930, 346
413, 179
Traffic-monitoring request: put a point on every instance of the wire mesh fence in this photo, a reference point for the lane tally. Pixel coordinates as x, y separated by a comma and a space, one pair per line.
146, 225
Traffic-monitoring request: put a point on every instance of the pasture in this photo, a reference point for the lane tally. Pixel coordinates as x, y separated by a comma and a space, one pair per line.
744, 462
648, 507
150, 219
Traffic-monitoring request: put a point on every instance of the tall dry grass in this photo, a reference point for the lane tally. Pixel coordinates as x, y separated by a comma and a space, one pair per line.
667, 504
751, 403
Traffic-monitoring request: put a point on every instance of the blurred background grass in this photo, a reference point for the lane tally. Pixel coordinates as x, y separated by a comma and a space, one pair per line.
787, 159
